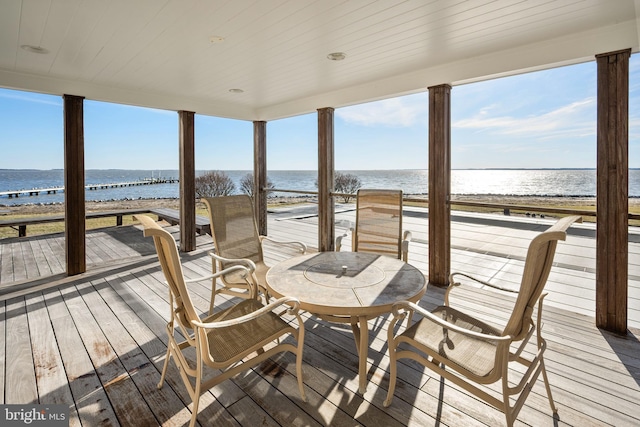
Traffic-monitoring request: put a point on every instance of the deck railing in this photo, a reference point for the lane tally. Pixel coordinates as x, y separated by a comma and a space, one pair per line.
506, 208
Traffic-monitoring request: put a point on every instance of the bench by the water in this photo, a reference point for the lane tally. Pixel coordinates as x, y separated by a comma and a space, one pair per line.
22, 223
172, 216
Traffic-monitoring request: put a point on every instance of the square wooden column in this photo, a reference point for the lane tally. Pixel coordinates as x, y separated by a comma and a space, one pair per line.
612, 204
187, 181
439, 184
326, 204
260, 175
74, 197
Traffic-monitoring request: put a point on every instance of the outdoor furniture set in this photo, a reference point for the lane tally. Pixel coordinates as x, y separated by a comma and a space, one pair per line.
345, 287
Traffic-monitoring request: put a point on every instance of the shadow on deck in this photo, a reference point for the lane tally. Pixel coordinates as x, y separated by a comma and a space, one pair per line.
97, 343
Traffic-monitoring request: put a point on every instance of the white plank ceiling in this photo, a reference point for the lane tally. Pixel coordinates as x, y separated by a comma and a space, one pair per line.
158, 53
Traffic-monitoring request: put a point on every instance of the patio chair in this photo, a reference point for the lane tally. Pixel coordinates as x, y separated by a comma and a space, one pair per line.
459, 346
232, 340
379, 224
237, 242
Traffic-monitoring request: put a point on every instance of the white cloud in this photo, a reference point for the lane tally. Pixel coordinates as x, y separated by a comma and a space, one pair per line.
28, 97
396, 112
575, 119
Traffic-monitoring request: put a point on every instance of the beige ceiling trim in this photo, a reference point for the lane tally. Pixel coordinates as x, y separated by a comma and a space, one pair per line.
580, 47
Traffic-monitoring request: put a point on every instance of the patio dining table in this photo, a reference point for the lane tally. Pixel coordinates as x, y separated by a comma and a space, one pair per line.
347, 287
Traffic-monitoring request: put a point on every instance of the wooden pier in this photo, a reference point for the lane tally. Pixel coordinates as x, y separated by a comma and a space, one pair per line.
53, 190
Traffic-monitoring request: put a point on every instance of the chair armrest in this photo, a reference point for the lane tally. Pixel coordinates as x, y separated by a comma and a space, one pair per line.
404, 248
348, 227
250, 265
453, 283
539, 316
303, 247
339, 238
408, 306
218, 274
293, 303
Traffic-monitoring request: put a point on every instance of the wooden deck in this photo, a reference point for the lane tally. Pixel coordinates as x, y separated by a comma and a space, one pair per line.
97, 341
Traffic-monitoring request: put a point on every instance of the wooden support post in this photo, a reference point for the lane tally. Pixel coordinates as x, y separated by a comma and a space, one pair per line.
612, 204
439, 184
187, 181
74, 200
326, 204
260, 175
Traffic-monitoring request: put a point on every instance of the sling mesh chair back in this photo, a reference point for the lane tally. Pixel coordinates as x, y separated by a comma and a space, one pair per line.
237, 242
462, 348
233, 339
378, 226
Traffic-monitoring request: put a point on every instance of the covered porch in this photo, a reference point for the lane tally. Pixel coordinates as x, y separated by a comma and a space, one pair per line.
98, 339
82, 326
226, 60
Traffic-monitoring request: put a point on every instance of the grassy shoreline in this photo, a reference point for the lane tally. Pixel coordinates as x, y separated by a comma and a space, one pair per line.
552, 201
33, 210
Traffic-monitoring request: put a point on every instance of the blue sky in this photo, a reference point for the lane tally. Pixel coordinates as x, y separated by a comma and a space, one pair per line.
545, 119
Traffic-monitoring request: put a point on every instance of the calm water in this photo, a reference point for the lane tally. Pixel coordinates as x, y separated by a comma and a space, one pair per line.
527, 182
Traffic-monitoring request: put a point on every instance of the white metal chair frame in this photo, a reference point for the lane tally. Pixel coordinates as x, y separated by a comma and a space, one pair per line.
225, 339
432, 335
239, 207
379, 211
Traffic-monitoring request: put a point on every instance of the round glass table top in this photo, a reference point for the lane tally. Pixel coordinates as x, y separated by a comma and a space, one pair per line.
346, 283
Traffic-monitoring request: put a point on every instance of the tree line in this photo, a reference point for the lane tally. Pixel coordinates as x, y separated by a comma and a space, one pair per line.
218, 183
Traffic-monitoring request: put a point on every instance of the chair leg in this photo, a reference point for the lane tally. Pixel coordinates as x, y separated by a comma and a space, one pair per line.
506, 406
299, 349
214, 282
392, 374
196, 401
212, 302
548, 387
197, 388
299, 374
166, 365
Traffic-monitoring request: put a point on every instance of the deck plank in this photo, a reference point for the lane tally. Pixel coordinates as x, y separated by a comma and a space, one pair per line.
92, 405
52, 259
3, 349
128, 404
246, 412
20, 377
121, 328
100, 252
109, 336
51, 379
38, 259
18, 264
138, 290
339, 345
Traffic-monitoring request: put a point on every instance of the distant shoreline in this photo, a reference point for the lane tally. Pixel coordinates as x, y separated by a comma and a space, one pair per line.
551, 201
478, 183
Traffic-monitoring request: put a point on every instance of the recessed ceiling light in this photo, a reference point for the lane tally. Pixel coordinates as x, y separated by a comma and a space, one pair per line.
216, 39
337, 56
236, 90
34, 49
